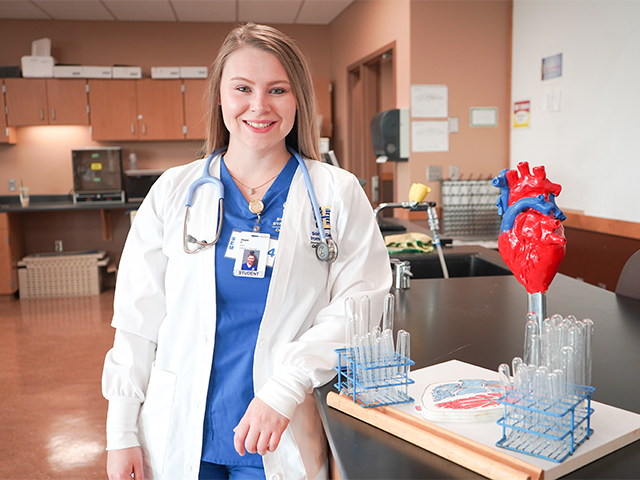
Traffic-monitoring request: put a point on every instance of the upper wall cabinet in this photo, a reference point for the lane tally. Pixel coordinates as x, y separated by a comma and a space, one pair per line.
5, 136
136, 109
50, 101
194, 108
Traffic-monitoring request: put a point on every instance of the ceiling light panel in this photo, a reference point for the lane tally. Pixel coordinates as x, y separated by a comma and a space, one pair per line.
75, 9
275, 11
321, 12
205, 10
141, 10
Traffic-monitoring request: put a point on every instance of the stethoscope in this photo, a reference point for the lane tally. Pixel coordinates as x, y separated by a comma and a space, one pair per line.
326, 249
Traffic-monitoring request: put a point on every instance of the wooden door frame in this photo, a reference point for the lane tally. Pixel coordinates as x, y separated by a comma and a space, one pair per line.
363, 99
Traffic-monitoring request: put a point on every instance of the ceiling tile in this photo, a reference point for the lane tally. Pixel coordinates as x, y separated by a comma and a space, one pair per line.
273, 11
205, 10
321, 12
21, 9
141, 10
75, 9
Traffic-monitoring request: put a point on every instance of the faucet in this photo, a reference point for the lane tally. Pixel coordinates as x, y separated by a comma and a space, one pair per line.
411, 205
415, 206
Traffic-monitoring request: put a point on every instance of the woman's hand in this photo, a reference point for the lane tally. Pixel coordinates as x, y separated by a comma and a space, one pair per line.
259, 429
121, 464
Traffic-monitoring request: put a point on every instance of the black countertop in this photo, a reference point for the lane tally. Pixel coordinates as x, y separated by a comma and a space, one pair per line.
44, 203
480, 320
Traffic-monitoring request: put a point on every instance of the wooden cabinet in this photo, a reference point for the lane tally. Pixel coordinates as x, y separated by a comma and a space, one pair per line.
51, 101
11, 251
195, 108
7, 135
136, 109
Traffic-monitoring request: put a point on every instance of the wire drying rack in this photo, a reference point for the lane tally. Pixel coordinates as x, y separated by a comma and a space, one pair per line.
374, 384
469, 208
550, 430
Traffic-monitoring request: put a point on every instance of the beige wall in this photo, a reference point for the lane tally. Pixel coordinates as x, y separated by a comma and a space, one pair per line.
42, 155
465, 45
363, 28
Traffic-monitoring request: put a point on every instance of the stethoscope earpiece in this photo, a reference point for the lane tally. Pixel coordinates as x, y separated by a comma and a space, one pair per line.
327, 250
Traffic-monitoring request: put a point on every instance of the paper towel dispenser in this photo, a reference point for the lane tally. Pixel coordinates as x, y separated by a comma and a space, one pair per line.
390, 135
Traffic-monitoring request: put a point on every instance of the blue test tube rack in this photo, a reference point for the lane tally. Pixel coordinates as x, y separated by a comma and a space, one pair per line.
545, 429
374, 384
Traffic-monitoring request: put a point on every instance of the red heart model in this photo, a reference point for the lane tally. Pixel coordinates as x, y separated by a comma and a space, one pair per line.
531, 240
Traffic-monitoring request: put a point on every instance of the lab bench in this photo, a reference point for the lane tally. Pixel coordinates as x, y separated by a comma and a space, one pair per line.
480, 320
34, 229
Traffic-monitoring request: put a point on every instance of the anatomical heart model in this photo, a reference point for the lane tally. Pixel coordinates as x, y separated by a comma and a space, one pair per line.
531, 240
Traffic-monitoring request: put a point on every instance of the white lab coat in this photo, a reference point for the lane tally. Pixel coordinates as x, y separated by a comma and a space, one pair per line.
156, 375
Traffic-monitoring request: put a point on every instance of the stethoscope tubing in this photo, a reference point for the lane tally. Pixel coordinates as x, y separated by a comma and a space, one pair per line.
206, 177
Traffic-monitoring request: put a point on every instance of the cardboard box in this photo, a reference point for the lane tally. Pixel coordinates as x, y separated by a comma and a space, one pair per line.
165, 72
39, 67
41, 48
96, 72
126, 72
193, 72
67, 71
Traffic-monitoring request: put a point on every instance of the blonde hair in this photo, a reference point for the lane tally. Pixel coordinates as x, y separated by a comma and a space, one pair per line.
304, 135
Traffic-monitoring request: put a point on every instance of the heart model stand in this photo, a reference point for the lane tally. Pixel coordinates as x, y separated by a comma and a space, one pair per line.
531, 240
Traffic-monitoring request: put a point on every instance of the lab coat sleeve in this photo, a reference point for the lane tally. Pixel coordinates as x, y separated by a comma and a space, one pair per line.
139, 308
362, 268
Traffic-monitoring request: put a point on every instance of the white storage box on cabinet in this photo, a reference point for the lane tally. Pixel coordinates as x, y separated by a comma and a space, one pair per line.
64, 274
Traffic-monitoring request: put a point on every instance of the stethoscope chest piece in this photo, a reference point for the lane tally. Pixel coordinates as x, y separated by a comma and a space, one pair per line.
327, 250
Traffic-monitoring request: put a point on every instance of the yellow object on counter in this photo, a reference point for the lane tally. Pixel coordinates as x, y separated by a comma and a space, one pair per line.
417, 192
409, 243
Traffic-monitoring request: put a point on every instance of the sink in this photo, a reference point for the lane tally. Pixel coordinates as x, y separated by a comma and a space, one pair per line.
458, 265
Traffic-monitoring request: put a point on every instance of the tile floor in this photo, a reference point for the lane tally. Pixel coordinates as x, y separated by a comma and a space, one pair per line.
52, 412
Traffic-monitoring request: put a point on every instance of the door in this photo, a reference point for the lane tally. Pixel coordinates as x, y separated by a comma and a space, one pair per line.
371, 89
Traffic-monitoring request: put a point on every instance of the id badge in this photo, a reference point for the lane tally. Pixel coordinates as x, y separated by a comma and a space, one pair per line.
234, 243
251, 254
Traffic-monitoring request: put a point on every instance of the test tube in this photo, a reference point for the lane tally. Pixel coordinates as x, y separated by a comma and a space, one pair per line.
568, 366
388, 314
403, 350
505, 378
365, 312
515, 363
588, 350
549, 343
576, 340
349, 307
556, 318
534, 350
531, 328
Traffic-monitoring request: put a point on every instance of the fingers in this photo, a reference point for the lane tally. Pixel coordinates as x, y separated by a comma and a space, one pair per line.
251, 440
239, 438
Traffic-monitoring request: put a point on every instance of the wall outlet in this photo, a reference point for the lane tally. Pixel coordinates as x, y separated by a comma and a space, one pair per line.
12, 184
434, 173
454, 172
58, 245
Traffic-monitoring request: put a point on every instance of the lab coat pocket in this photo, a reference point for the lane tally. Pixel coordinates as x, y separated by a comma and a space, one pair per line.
155, 417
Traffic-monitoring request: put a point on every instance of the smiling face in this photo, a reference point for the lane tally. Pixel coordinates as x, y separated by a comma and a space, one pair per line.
258, 104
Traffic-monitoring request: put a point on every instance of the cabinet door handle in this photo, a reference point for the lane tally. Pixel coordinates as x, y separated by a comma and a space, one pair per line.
144, 128
133, 129
41, 113
53, 114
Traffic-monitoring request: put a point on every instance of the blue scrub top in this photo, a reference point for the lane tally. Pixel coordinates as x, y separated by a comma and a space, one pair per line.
240, 305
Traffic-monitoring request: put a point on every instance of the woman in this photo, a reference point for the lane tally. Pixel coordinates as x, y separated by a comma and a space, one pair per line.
213, 367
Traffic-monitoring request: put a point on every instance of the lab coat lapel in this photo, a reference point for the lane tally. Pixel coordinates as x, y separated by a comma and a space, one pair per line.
283, 271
